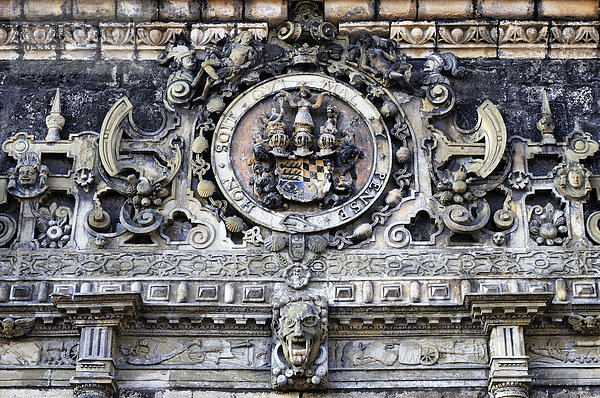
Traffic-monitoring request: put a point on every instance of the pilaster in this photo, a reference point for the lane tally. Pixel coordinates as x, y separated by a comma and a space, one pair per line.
505, 316
98, 316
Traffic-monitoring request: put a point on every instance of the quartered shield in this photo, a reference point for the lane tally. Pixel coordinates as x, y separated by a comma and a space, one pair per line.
303, 180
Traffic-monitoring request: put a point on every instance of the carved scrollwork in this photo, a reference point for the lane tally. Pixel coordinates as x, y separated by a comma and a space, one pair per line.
460, 219
8, 229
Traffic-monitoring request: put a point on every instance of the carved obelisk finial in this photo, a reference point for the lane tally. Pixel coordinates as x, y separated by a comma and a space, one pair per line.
546, 123
55, 121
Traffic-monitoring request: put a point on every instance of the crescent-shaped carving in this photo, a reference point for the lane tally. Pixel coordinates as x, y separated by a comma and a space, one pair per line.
110, 135
492, 128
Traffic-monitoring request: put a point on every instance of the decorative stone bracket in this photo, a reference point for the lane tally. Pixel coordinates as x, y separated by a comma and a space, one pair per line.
505, 316
98, 315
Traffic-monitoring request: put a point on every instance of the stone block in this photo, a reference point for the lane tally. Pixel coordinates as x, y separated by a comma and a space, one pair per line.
39, 41
78, 41
272, 11
35, 10
416, 39
222, 10
118, 41
94, 9
152, 38
176, 394
577, 40
506, 9
526, 40
572, 9
10, 9
203, 35
9, 42
468, 39
455, 9
349, 10
397, 9
379, 28
137, 10
179, 10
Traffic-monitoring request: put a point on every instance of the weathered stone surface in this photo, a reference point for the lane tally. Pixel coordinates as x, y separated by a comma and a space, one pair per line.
222, 10
396, 10
10, 9
45, 10
137, 10
456, 9
442, 241
272, 11
471, 40
582, 9
177, 10
348, 10
93, 9
506, 9
523, 40
568, 40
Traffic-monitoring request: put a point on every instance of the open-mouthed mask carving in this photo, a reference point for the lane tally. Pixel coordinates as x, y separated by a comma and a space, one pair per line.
300, 333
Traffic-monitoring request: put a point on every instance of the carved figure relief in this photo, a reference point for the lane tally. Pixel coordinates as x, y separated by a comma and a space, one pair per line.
209, 353
299, 359
15, 328
412, 353
29, 180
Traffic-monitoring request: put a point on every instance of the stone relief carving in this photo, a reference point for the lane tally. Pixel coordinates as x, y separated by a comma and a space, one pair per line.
16, 327
29, 352
410, 353
205, 352
257, 147
555, 350
297, 160
299, 359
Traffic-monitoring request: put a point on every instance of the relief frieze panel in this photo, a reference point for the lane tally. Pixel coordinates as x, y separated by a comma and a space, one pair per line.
202, 353
409, 353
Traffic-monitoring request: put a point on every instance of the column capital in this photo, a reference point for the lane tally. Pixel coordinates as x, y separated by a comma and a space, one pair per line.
516, 309
98, 308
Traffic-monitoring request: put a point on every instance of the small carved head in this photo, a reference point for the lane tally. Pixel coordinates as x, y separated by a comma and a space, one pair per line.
27, 170
331, 112
30, 178
244, 38
301, 329
8, 324
573, 180
575, 175
367, 40
27, 176
304, 92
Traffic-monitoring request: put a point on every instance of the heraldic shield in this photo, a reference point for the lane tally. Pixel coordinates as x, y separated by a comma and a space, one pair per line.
303, 180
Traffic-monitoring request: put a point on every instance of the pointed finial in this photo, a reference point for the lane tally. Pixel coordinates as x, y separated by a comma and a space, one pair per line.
546, 123
55, 121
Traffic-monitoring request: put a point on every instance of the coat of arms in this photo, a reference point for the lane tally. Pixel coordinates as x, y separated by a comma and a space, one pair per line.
299, 162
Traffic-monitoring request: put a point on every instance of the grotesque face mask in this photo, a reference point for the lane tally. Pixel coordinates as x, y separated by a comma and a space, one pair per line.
300, 333
27, 176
